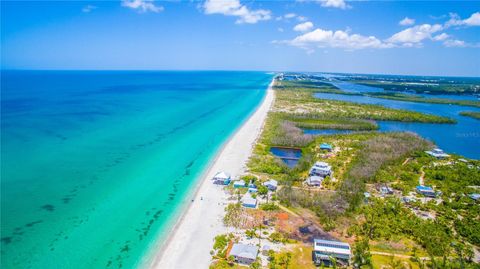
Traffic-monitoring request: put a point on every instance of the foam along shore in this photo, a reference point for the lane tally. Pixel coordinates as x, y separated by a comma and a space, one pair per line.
191, 240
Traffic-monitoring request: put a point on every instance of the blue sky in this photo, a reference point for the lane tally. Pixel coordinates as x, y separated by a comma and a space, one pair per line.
392, 37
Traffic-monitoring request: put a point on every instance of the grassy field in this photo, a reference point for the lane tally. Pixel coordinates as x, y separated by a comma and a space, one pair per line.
384, 262
301, 258
300, 101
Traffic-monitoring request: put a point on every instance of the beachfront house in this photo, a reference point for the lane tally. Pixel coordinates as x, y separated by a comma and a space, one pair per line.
271, 184
221, 178
248, 201
437, 153
252, 190
239, 184
321, 169
426, 191
325, 250
325, 146
243, 253
314, 181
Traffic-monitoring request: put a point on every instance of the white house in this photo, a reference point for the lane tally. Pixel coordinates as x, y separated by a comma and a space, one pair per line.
221, 178
385, 190
248, 201
321, 169
314, 181
437, 153
239, 184
271, 184
324, 250
243, 253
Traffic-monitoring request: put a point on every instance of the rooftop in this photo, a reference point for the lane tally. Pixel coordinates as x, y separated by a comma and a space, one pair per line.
425, 188
244, 251
221, 175
329, 246
271, 182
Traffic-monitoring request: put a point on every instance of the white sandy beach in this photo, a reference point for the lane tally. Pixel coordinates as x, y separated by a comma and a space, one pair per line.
192, 238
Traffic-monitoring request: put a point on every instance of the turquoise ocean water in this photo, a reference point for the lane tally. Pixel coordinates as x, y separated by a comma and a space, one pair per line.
96, 165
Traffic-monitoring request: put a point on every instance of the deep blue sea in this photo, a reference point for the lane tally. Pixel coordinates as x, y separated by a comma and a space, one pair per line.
96, 164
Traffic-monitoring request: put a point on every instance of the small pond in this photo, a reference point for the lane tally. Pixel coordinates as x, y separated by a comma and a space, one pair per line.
289, 156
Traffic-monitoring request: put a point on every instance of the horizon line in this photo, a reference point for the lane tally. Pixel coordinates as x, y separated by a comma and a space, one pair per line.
233, 70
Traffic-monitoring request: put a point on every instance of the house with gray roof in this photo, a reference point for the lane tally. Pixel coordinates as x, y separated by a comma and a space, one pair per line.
243, 253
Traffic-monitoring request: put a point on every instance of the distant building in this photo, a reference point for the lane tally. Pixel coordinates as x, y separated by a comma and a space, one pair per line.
385, 190
408, 199
221, 178
248, 201
321, 169
239, 184
252, 190
426, 191
325, 250
244, 254
437, 153
314, 181
325, 146
271, 184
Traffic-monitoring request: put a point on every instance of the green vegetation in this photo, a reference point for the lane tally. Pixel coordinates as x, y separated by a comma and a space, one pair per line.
362, 256
473, 114
220, 245
371, 152
269, 207
300, 257
420, 99
437, 87
388, 94
233, 215
300, 101
389, 220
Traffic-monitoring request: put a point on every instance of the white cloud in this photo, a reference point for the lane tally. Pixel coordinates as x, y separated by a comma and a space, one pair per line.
303, 27
455, 20
142, 5
473, 20
415, 34
407, 21
454, 43
290, 15
441, 37
334, 4
280, 29
236, 9
320, 38
88, 8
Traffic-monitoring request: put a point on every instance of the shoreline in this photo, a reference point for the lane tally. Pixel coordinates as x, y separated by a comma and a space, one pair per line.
194, 238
